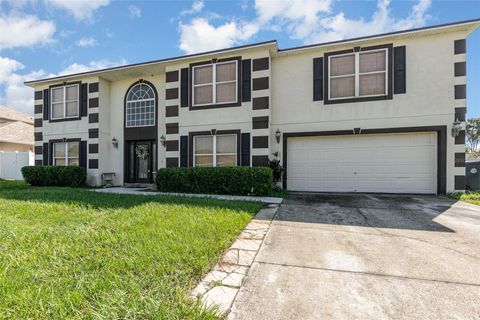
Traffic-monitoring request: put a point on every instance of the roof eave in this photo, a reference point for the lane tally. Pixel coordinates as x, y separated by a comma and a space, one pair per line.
470, 25
267, 44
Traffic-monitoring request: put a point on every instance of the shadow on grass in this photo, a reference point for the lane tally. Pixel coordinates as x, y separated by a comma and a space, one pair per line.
14, 190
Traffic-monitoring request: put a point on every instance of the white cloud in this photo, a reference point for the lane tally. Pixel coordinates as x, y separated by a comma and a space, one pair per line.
24, 31
86, 42
92, 65
15, 94
135, 12
196, 7
310, 21
80, 9
200, 35
299, 17
339, 27
8, 66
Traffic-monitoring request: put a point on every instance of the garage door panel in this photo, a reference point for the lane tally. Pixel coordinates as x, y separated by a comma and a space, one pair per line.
332, 183
396, 163
402, 185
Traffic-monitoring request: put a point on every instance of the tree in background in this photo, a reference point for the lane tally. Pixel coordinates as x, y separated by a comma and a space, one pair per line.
472, 133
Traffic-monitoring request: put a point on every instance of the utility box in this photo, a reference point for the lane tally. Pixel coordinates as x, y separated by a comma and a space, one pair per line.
473, 174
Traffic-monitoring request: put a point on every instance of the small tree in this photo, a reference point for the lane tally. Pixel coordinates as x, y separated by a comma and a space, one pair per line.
277, 168
473, 134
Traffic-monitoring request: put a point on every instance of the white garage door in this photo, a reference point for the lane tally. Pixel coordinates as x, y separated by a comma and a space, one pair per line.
390, 163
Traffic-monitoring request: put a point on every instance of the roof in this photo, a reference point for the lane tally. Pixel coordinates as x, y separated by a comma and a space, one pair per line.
13, 115
17, 132
469, 25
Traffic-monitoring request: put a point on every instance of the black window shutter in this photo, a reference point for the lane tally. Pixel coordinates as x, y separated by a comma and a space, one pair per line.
83, 99
184, 151
246, 80
245, 149
46, 103
46, 159
83, 154
317, 79
399, 70
184, 87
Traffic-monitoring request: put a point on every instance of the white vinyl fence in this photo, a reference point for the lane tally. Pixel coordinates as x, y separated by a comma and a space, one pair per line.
11, 164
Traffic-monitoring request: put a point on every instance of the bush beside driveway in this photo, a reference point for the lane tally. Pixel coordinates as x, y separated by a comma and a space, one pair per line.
72, 253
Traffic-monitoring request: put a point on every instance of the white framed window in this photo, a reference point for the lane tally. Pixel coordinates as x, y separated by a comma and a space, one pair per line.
65, 102
140, 106
215, 83
359, 74
66, 153
215, 151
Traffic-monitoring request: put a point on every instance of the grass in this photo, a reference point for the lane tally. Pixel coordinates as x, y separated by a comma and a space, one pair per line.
471, 197
75, 254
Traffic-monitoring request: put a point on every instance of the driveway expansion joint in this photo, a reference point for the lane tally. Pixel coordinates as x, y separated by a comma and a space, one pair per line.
363, 273
219, 288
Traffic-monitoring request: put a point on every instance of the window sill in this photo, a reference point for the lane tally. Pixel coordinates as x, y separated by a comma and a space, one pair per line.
359, 99
65, 119
216, 106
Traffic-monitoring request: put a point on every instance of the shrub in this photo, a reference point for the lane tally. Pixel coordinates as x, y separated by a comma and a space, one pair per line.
221, 180
71, 176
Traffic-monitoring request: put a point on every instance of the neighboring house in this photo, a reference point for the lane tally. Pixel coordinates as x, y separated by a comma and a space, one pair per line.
373, 114
16, 131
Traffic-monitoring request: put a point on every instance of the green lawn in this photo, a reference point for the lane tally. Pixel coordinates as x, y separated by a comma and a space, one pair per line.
72, 253
472, 197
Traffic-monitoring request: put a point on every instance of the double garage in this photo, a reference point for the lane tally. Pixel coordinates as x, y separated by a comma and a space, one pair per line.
400, 162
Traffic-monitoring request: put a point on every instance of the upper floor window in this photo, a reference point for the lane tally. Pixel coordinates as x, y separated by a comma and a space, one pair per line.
140, 106
65, 101
215, 150
359, 74
66, 153
215, 83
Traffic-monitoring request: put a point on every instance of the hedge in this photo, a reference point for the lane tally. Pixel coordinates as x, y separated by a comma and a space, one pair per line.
71, 176
221, 180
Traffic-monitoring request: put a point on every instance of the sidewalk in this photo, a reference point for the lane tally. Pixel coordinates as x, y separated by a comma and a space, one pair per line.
146, 192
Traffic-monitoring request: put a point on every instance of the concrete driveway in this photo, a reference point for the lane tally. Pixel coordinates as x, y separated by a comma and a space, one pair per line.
366, 257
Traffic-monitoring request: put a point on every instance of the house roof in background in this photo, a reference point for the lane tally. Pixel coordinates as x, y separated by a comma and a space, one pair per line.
272, 45
17, 132
13, 115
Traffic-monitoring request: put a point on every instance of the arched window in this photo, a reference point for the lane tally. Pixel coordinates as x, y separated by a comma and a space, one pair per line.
140, 106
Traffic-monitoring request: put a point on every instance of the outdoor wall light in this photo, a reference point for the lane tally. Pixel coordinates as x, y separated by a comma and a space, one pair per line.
457, 127
278, 135
115, 142
163, 140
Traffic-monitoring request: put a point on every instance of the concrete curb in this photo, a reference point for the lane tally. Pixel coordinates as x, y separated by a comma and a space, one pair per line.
219, 288
135, 191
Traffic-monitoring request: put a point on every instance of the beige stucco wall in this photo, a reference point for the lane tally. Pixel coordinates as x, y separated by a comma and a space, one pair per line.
429, 100
112, 123
12, 147
77, 129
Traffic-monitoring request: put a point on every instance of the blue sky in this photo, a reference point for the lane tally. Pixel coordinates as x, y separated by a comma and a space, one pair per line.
41, 38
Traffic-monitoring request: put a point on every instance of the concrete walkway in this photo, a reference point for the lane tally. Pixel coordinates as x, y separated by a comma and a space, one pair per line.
146, 192
366, 257
220, 286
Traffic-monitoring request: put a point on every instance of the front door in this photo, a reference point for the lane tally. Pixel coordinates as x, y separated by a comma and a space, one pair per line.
141, 159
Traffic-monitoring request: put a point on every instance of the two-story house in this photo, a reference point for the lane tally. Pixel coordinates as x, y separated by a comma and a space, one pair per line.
380, 113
